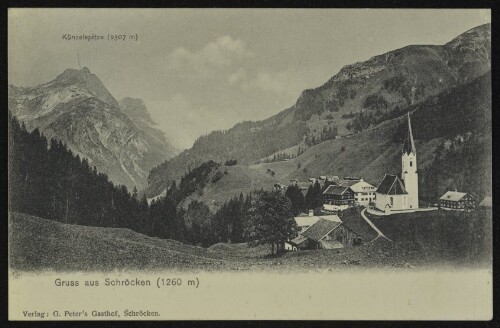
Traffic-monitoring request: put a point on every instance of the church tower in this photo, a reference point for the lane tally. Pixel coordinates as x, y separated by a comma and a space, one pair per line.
409, 172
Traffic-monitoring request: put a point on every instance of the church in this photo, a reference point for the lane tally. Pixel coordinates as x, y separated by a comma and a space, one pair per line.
400, 194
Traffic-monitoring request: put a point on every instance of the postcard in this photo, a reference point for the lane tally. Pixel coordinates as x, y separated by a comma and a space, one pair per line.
284, 164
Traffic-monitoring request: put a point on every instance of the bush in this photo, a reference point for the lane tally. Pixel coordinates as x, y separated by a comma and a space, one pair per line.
218, 175
231, 162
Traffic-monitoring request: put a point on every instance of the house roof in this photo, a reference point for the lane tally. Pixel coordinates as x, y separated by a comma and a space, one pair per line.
354, 221
409, 145
335, 190
358, 186
346, 183
453, 196
331, 217
391, 185
298, 240
329, 177
305, 221
487, 202
320, 229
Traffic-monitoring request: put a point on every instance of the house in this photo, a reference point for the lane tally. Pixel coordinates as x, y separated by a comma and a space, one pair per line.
331, 231
364, 193
346, 182
297, 243
279, 187
338, 195
391, 194
330, 178
335, 208
487, 202
457, 201
329, 234
304, 221
486, 207
395, 194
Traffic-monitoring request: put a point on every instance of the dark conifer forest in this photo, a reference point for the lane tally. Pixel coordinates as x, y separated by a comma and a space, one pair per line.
47, 180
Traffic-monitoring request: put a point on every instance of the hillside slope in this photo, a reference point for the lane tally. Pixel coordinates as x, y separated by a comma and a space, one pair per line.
458, 120
376, 88
77, 109
42, 245
233, 181
39, 244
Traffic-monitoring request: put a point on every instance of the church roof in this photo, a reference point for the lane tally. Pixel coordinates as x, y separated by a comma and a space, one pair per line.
409, 144
391, 185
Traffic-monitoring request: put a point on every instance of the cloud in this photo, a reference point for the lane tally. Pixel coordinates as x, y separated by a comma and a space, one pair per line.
275, 82
221, 53
184, 121
239, 76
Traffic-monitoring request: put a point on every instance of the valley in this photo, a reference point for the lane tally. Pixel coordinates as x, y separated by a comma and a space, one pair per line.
87, 166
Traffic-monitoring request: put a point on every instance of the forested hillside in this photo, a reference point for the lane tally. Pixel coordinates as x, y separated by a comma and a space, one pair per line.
453, 137
47, 180
245, 142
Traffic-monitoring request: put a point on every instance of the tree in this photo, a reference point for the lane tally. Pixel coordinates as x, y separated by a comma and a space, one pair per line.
296, 197
198, 218
271, 220
310, 197
317, 200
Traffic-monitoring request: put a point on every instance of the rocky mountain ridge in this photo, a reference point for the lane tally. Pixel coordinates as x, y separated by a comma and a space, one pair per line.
77, 108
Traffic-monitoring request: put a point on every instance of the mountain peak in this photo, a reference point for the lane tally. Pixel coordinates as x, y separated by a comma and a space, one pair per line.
477, 35
72, 73
85, 77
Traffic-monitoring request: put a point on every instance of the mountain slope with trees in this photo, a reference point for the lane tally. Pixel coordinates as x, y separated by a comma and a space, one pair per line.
48, 181
453, 139
360, 96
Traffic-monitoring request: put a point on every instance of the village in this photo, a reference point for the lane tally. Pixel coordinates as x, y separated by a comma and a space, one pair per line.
326, 227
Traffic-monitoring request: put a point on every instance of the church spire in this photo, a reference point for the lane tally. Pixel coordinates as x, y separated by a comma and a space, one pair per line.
409, 145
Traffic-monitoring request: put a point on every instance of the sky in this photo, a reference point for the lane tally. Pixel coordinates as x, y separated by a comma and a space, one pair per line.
199, 70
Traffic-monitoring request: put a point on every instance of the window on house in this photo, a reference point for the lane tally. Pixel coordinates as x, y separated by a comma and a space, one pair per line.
392, 200
411, 163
